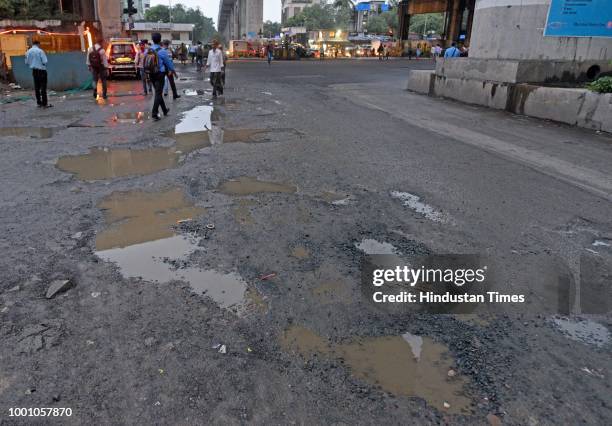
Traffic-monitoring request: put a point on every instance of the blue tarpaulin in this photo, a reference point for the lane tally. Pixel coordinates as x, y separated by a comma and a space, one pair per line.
64, 71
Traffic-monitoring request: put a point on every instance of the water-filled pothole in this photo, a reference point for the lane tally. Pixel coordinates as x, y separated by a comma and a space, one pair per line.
408, 365
246, 185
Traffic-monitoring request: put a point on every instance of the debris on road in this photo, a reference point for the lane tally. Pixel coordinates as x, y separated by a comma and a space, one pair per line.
59, 286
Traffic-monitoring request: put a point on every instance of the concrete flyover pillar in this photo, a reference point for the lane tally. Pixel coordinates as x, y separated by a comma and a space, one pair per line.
514, 29
240, 19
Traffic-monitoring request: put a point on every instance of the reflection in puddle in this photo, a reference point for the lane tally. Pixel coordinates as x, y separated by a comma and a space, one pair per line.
110, 163
32, 132
195, 120
390, 362
131, 117
414, 202
583, 330
300, 252
371, 246
248, 185
140, 240
138, 216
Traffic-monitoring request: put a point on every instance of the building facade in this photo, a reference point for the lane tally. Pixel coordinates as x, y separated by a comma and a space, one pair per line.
291, 8
175, 32
365, 10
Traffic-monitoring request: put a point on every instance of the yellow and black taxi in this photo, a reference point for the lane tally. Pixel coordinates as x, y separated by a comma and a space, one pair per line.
121, 54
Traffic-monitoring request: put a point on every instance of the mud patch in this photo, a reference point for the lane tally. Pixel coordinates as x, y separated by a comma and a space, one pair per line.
141, 241
392, 363
27, 132
332, 291
248, 185
242, 212
300, 252
336, 198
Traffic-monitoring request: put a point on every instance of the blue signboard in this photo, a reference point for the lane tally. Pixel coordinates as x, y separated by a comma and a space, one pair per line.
579, 18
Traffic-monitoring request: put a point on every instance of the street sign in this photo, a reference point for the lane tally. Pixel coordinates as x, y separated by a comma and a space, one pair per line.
573, 18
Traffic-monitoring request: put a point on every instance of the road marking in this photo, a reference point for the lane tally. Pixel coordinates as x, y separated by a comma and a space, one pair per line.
590, 180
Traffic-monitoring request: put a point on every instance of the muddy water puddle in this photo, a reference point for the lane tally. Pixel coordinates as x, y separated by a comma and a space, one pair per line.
249, 185
27, 132
140, 239
195, 120
408, 365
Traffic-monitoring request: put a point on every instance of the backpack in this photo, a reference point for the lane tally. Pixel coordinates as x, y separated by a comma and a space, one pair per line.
95, 60
151, 61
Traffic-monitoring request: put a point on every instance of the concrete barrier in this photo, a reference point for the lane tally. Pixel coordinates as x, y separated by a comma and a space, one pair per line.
421, 81
64, 71
577, 107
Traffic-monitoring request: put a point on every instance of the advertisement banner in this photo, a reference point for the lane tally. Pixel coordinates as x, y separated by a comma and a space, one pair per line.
579, 18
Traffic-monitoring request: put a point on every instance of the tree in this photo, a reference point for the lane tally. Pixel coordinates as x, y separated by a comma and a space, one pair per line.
204, 28
377, 25
321, 17
392, 20
271, 28
427, 22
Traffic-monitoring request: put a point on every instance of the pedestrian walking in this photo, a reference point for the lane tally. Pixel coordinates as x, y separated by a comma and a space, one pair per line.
97, 62
141, 53
452, 52
36, 59
387, 51
169, 80
270, 53
157, 64
183, 54
192, 53
437, 51
418, 52
199, 56
380, 51
215, 63
321, 53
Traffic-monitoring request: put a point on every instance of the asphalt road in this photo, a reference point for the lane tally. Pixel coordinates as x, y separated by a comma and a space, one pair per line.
215, 275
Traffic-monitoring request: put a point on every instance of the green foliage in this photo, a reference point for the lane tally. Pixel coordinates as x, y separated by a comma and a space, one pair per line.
315, 17
377, 25
29, 9
423, 24
204, 29
601, 85
271, 28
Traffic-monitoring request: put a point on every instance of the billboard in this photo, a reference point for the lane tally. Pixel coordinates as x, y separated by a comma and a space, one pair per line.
579, 18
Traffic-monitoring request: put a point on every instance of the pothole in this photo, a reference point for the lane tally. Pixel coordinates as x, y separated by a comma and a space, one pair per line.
249, 185
409, 365
141, 241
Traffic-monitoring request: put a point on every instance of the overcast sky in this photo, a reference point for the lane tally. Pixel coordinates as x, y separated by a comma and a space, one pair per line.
210, 8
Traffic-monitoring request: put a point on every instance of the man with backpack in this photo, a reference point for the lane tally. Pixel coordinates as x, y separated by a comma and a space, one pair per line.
452, 52
157, 65
199, 53
97, 62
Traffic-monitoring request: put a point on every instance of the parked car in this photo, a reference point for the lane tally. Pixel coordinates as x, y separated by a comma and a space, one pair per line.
121, 53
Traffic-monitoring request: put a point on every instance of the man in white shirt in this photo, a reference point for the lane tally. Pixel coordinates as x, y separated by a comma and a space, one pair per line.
215, 63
